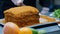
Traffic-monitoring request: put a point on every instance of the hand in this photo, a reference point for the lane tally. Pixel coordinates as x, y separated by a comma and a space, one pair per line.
18, 2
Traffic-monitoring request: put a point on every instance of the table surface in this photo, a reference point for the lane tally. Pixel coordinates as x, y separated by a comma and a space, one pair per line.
1, 30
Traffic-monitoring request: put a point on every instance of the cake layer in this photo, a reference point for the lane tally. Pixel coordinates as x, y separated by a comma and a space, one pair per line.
27, 20
8, 18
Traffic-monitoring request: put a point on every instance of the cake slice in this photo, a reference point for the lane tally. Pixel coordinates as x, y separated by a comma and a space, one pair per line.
22, 16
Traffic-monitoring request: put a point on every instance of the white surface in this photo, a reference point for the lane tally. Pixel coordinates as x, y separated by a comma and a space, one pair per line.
58, 24
43, 20
51, 14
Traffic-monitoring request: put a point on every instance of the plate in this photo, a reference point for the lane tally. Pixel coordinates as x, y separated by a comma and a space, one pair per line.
2, 21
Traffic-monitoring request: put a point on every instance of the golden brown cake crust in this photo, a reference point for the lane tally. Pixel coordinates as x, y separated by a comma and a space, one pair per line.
23, 10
